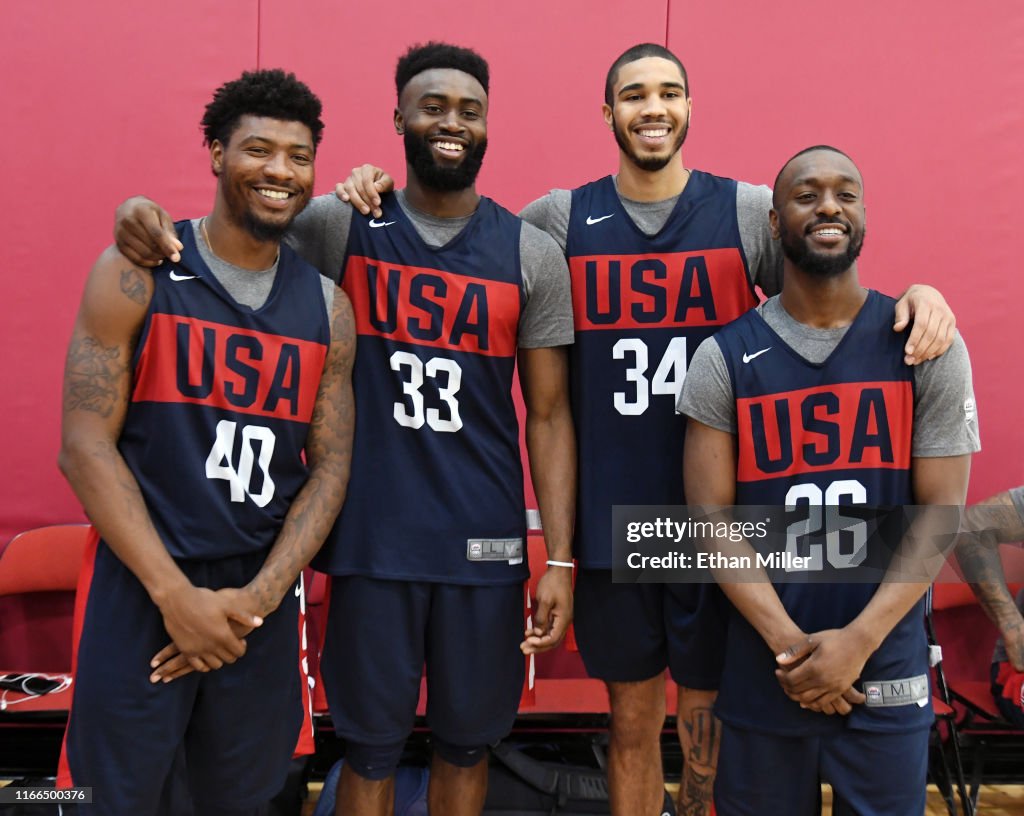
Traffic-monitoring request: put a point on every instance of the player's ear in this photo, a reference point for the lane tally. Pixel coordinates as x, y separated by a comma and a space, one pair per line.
773, 222
606, 111
216, 157
399, 122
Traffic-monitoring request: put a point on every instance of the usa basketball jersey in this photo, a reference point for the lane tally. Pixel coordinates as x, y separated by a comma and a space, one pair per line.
642, 304
436, 492
810, 437
221, 401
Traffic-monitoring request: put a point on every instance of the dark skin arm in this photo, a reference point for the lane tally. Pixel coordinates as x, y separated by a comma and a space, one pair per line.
833, 659
709, 473
97, 383
988, 524
318, 502
551, 444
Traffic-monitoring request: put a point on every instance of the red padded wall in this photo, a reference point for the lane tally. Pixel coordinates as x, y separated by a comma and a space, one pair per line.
102, 100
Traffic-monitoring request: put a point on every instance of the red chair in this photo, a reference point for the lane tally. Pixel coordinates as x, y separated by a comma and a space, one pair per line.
38, 576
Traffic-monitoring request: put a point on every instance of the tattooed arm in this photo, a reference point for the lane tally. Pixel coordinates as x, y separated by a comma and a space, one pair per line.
986, 525
97, 382
328, 454
309, 519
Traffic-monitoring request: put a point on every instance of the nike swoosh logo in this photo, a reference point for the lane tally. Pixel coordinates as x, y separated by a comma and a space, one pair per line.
591, 221
748, 357
375, 224
176, 277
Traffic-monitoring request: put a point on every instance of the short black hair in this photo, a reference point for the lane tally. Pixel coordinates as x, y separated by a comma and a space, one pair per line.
638, 52
797, 155
272, 93
423, 57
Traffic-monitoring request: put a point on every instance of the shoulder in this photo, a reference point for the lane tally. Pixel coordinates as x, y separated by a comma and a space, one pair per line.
537, 239
541, 212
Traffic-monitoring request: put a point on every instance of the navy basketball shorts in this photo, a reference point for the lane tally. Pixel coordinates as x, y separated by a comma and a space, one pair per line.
620, 628
631, 632
379, 636
234, 728
871, 773
698, 620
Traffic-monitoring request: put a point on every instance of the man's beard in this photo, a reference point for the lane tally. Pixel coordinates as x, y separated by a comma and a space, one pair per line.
420, 157
649, 164
241, 214
804, 257
263, 231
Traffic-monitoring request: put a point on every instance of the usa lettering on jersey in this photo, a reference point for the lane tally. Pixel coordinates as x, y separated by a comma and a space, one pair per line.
188, 360
673, 289
865, 425
431, 307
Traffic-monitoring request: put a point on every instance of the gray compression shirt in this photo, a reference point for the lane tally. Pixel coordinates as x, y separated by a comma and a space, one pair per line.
248, 287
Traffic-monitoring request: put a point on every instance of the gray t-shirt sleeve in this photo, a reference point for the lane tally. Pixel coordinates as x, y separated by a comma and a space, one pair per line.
1017, 496
707, 394
320, 234
945, 414
329, 287
546, 318
764, 254
551, 214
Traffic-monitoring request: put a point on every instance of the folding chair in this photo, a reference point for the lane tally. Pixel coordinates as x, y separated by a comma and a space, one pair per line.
980, 740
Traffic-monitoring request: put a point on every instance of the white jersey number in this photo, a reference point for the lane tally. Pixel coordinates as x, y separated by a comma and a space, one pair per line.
415, 370
222, 454
828, 504
668, 376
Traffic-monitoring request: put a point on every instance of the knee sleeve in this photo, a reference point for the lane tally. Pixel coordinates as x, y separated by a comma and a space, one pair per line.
373, 762
462, 756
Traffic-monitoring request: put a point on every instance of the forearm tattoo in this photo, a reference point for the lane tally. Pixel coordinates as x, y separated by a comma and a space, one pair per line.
93, 376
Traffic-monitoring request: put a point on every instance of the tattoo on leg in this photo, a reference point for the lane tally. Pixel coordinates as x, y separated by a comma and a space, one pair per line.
93, 377
134, 286
695, 791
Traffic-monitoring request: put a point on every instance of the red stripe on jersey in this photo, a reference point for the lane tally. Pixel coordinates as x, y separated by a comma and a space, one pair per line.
831, 427
430, 307
185, 360
64, 778
671, 289
306, 744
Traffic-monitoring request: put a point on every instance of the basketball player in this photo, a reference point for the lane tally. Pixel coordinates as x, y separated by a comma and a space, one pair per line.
660, 256
808, 399
999, 519
192, 391
449, 291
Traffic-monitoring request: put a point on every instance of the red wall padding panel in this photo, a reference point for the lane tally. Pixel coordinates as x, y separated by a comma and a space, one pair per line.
102, 100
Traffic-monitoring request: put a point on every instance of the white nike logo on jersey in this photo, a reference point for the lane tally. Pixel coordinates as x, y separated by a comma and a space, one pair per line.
375, 224
748, 357
591, 221
176, 277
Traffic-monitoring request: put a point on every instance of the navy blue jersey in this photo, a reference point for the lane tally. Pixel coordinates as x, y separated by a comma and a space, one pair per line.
436, 492
811, 436
221, 401
642, 305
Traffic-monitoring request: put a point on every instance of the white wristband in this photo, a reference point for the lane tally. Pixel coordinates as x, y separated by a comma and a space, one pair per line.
568, 564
